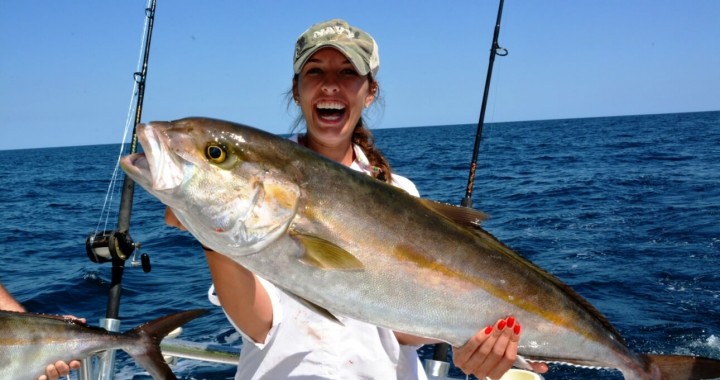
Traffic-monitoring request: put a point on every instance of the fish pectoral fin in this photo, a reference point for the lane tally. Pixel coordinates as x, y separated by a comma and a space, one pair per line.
465, 216
314, 307
322, 254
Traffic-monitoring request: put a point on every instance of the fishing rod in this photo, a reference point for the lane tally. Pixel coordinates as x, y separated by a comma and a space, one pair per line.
495, 49
116, 245
439, 365
128, 188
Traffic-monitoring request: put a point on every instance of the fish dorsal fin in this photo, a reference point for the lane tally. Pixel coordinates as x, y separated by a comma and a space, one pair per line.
314, 307
465, 216
322, 254
59, 318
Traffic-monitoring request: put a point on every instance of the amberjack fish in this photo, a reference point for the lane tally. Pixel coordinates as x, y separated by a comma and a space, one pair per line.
29, 342
354, 246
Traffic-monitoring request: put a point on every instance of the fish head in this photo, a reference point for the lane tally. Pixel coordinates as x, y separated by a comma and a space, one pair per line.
222, 183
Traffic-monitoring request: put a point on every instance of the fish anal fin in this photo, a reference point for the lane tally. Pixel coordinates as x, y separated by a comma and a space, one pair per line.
314, 307
468, 217
322, 254
521, 363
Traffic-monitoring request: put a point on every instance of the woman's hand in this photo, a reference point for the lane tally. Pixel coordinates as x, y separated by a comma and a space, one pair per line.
492, 351
60, 368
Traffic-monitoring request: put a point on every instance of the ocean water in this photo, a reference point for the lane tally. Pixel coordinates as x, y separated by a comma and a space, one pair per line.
626, 210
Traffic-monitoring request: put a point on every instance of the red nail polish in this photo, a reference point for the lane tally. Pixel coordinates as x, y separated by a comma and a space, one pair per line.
516, 330
510, 322
501, 324
488, 330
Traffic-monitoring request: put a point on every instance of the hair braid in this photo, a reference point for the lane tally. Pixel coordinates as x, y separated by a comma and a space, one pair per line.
364, 138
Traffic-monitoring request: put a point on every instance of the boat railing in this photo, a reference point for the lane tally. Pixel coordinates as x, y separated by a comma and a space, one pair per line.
174, 349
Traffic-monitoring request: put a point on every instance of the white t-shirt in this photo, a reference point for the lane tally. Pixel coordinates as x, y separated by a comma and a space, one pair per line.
304, 345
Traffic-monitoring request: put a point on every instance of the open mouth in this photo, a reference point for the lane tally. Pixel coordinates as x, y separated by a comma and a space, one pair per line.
139, 160
330, 111
137, 167
156, 165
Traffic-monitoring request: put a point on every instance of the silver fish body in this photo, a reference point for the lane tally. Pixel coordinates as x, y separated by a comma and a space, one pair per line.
29, 342
358, 247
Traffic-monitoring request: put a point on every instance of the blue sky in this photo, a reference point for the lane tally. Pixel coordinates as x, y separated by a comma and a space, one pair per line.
66, 66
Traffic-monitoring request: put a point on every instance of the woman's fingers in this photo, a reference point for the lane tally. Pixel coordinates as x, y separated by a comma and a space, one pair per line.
58, 369
491, 352
505, 350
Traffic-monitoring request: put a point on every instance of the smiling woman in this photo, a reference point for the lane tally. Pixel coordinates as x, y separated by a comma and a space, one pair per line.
335, 68
332, 95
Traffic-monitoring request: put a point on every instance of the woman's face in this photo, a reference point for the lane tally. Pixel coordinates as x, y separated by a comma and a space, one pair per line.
332, 96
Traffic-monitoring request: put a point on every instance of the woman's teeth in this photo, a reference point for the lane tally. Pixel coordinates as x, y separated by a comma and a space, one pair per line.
330, 106
330, 111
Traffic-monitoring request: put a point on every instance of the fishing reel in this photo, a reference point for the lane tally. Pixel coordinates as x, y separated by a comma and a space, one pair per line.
116, 246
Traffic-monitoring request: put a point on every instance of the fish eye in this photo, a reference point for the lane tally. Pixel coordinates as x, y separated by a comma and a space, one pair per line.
215, 153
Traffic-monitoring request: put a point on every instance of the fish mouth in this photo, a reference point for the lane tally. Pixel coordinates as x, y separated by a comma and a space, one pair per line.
156, 168
137, 167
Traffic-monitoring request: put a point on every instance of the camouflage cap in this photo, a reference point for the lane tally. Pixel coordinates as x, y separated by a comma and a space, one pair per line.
359, 47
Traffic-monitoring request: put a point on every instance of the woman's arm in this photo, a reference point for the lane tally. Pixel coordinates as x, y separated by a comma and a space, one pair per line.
8, 302
241, 294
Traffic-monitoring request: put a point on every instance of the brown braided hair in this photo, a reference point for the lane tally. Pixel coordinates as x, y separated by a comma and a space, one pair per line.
361, 136
365, 139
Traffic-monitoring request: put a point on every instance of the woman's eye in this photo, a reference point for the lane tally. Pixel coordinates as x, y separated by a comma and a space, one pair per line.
215, 153
348, 71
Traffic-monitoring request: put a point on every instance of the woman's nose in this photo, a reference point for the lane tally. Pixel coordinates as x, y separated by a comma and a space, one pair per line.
330, 84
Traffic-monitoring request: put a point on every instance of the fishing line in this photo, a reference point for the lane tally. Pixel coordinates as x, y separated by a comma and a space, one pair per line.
105, 212
491, 119
109, 196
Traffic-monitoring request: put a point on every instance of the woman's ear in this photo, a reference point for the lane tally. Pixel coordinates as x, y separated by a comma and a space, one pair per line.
295, 94
372, 94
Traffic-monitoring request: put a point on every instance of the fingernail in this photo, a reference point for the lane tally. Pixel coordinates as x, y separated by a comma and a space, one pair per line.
510, 322
488, 330
516, 330
501, 324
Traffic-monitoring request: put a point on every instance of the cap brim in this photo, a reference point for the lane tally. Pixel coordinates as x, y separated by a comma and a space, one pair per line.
354, 58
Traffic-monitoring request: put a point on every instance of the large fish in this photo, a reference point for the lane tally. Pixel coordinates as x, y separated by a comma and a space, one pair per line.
29, 342
354, 246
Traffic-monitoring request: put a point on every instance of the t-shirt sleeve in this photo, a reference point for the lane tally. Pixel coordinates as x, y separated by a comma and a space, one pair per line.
277, 311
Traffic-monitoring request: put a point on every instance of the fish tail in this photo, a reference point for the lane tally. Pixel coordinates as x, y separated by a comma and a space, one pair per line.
150, 334
678, 367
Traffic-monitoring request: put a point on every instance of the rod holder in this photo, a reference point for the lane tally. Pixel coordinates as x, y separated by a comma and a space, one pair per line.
436, 369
